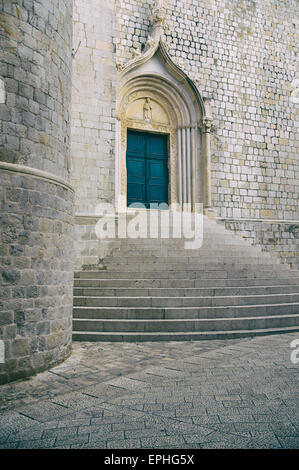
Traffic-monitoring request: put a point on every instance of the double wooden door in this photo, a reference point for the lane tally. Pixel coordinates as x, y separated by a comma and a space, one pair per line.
147, 168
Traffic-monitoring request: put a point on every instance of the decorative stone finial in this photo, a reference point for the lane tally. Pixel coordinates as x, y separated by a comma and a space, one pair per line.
158, 18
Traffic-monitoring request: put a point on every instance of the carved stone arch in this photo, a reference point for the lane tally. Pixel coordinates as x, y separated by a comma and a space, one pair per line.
155, 95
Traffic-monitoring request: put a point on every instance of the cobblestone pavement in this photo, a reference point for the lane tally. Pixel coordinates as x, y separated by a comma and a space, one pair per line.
205, 394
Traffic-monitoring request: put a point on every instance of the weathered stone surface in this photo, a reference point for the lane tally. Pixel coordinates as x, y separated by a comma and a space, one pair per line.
35, 212
209, 394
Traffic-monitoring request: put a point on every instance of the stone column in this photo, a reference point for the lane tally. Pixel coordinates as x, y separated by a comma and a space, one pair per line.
36, 200
206, 129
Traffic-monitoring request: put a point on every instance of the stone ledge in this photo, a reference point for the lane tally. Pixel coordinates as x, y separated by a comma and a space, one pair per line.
15, 168
245, 219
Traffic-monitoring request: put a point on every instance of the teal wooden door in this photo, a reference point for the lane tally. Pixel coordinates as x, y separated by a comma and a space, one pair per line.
147, 170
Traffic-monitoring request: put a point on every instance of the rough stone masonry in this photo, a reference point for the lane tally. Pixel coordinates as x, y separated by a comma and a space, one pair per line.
36, 200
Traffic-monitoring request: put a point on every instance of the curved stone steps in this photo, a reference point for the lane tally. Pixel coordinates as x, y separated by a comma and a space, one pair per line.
186, 325
183, 283
185, 301
183, 313
150, 290
182, 292
178, 336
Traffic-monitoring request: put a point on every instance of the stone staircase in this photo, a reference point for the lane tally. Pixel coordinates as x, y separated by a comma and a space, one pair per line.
156, 290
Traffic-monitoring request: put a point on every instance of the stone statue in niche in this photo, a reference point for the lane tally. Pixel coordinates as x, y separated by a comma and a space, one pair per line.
147, 110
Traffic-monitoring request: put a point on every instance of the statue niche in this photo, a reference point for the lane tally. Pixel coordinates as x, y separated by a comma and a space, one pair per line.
147, 110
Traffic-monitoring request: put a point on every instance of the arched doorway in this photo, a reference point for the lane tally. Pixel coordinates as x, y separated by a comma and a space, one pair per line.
156, 97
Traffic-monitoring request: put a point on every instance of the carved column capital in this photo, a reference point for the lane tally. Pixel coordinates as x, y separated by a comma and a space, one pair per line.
206, 124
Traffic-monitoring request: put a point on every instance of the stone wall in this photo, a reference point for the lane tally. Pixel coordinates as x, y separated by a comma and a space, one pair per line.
93, 104
35, 67
36, 273
241, 54
36, 200
280, 238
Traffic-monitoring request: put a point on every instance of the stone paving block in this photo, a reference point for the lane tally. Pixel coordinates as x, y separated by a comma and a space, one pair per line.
265, 418
151, 380
166, 442
234, 444
134, 425
72, 440
205, 419
230, 439
124, 444
285, 429
13, 421
252, 427
238, 404
143, 433
94, 429
37, 444
9, 445
289, 442
26, 435
166, 372
60, 433
97, 444
104, 391
129, 383
78, 401
199, 436
112, 419
45, 411
236, 418
72, 421
264, 442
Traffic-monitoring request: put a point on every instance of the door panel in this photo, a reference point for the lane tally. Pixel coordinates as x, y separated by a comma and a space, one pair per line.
156, 179
136, 189
157, 145
135, 143
147, 172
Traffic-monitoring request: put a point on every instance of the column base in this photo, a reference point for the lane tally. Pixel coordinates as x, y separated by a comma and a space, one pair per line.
210, 213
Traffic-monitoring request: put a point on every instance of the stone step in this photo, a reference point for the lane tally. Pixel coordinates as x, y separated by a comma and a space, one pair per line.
172, 244
184, 253
183, 282
156, 289
245, 273
160, 313
182, 325
178, 336
199, 266
173, 237
185, 301
182, 292
214, 262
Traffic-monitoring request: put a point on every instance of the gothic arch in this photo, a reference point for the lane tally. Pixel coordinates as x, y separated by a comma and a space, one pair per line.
156, 96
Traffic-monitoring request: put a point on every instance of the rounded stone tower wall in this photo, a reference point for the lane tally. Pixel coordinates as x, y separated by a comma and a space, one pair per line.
36, 200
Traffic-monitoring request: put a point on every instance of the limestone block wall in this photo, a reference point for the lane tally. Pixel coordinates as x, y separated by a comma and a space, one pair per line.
93, 119
241, 54
36, 200
93, 104
280, 238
